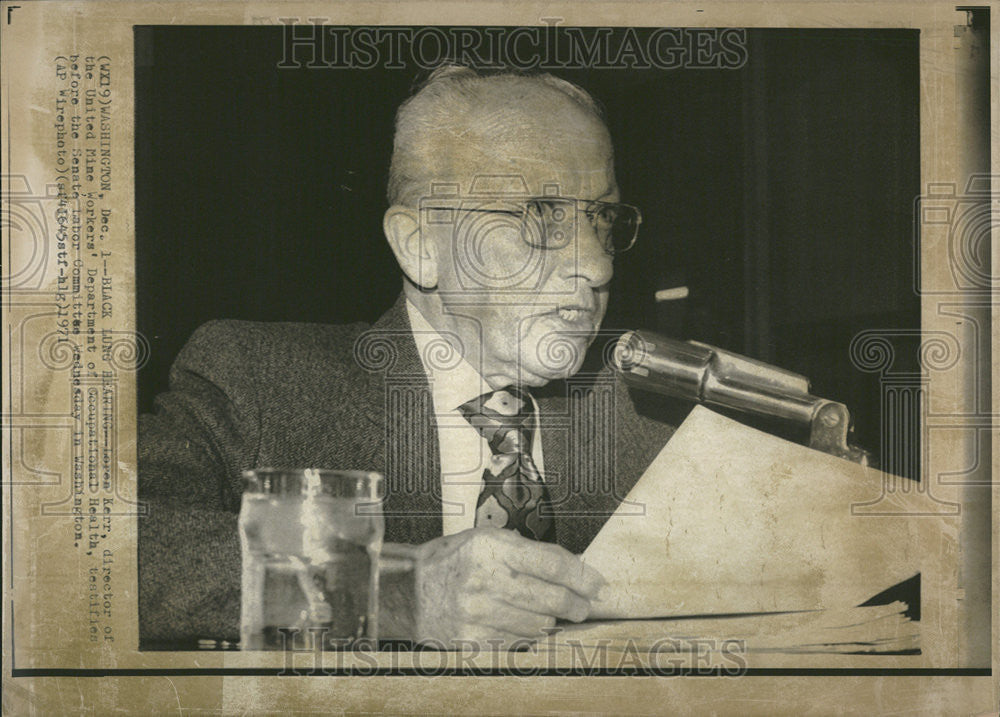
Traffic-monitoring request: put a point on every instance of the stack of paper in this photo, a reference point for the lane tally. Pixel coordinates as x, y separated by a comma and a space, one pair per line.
881, 628
728, 519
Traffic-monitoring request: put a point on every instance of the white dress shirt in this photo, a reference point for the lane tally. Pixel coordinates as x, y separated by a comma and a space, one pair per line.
464, 452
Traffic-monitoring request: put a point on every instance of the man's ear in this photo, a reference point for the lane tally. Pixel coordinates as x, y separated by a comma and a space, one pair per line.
415, 252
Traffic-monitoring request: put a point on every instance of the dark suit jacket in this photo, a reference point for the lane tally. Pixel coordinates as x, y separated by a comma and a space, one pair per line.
245, 395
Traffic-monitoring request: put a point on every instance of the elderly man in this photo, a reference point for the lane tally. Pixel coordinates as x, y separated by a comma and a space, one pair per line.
503, 451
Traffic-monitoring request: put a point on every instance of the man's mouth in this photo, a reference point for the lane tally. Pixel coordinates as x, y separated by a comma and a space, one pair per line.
576, 314
570, 314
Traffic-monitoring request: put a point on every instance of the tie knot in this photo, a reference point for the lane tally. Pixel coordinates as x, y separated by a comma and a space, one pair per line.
503, 418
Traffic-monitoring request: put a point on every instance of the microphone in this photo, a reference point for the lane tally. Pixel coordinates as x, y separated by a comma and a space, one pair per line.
694, 371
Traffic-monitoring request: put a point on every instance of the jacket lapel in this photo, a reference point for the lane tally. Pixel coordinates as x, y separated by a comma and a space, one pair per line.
397, 403
578, 422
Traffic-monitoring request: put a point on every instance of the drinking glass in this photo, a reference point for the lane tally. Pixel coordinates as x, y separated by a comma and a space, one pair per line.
311, 540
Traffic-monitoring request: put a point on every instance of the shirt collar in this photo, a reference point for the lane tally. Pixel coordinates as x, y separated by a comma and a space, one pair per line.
453, 380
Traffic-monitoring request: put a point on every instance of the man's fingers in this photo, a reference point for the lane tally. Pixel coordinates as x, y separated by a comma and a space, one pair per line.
535, 595
523, 623
552, 563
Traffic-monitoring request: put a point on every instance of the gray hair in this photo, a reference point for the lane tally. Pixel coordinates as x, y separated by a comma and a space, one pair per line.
444, 105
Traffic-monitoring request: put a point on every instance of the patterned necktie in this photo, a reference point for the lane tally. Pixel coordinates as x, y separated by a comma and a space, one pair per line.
513, 494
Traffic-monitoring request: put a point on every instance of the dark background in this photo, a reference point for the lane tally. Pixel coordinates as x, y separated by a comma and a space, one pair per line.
780, 193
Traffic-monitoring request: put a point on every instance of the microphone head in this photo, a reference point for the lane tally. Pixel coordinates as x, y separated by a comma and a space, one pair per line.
629, 352
660, 364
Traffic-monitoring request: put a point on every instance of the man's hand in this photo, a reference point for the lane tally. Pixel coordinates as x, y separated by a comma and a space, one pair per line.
488, 583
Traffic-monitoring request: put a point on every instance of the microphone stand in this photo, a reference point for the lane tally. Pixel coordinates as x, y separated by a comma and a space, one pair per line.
694, 371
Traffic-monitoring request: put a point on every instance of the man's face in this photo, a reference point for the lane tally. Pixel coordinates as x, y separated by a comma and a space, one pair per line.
527, 314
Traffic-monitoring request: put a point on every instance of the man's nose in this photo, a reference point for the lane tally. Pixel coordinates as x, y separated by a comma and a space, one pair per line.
587, 258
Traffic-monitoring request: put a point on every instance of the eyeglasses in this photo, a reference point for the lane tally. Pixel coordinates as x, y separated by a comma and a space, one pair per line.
551, 222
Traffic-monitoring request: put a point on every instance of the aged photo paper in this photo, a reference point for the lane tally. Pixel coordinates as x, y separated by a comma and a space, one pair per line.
807, 192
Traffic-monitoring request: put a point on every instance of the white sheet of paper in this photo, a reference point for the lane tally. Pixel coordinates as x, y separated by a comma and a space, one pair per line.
736, 520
